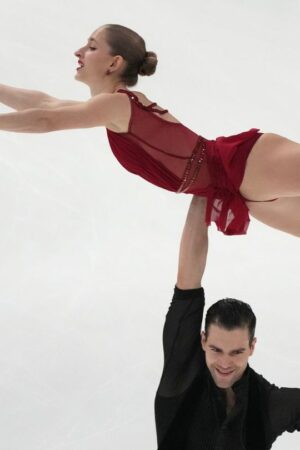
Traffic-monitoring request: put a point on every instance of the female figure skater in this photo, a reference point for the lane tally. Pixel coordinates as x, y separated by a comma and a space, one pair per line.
249, 172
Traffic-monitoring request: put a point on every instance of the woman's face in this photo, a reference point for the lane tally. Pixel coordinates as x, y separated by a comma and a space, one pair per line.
94, 59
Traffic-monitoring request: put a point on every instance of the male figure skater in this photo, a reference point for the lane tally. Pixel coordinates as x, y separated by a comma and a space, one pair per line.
208, 397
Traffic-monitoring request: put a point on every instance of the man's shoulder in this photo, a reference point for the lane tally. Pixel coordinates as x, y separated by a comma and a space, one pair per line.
259, 381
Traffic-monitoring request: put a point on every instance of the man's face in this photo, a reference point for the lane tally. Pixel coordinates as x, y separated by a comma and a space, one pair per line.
227, 353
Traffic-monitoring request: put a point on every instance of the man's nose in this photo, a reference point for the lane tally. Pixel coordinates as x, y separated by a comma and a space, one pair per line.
225, 362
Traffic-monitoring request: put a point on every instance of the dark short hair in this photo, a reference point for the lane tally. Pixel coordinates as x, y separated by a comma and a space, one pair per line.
230, 313
131, 46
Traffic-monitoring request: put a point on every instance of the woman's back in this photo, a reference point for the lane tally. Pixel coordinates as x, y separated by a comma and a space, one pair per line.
155, 145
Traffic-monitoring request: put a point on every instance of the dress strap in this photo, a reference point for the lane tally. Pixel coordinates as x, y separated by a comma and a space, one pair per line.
150, 107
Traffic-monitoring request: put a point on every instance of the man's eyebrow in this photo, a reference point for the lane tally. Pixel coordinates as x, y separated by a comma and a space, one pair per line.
216, 348
92, 39
242, 349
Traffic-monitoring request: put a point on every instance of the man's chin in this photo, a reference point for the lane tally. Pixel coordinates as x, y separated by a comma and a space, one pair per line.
223, 384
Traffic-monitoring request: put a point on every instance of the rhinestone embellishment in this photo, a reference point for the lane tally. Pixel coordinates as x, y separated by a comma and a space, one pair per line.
193, 166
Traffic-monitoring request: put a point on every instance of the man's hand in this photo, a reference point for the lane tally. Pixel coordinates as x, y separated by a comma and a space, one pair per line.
193, 246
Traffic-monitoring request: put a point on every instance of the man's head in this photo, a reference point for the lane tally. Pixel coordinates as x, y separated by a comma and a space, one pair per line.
228, 340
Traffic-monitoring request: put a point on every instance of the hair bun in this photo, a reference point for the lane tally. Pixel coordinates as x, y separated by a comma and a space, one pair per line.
149, 64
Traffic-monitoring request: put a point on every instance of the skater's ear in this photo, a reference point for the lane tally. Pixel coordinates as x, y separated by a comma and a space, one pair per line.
252, 345
203, 340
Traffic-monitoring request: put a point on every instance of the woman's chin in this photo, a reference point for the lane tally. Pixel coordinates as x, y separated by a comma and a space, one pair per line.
79, 77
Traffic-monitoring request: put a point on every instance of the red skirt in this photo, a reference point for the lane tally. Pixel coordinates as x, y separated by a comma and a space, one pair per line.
226, 159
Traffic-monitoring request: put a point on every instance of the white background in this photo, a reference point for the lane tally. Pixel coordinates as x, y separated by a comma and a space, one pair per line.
89, 252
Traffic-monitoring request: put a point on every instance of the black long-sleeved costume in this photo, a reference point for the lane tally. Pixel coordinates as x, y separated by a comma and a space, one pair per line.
190, 410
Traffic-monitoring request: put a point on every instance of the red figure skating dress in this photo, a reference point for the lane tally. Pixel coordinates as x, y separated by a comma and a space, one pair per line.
173, 157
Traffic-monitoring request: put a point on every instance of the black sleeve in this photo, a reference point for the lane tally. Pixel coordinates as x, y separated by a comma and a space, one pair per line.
284, 410
183, 355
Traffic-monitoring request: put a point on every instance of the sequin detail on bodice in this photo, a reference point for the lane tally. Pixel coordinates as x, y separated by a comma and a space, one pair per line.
193, 166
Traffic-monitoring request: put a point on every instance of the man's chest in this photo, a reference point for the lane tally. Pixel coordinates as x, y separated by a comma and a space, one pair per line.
212, 419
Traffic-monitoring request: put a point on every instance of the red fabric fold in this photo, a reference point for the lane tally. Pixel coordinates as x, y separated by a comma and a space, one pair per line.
227, 157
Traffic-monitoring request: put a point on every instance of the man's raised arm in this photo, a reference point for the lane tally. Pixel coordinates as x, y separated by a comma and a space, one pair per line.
183, 355
193, 246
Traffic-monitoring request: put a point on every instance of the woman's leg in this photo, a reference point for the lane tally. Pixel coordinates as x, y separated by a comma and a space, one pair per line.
282, 214
272, 169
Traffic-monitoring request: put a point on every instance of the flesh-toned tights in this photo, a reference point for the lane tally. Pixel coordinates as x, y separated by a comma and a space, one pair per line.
273, 172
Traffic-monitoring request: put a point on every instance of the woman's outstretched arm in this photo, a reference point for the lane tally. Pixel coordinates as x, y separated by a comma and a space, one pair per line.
101, 110
20, 99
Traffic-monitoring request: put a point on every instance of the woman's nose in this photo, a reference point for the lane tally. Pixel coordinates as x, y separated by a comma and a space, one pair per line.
78, 52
